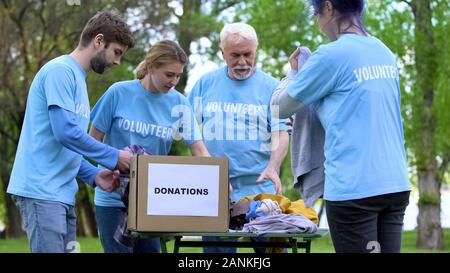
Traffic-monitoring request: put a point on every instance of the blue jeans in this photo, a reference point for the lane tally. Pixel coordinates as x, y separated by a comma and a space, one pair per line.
372, 224
50, 225
108, 218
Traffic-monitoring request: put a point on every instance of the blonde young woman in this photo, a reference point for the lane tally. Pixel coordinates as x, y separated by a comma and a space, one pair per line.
147, 111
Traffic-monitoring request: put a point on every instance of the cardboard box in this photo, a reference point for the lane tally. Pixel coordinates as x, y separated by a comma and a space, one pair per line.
178, 194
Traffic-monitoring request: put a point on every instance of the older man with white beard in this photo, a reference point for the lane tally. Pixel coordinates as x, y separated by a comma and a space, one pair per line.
232, 105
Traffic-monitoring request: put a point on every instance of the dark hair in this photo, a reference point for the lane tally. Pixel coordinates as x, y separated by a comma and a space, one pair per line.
160, 54
352, 10
111, 25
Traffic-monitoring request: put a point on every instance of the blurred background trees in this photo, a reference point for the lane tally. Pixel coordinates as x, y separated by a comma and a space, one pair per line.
417, 31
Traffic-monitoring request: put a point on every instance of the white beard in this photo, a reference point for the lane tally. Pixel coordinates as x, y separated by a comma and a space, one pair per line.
240, 76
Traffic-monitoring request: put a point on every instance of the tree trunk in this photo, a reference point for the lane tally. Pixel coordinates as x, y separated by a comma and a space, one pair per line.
86, 223
14, 225
80, 224
185, 37
13, 218
429, 220
430, 232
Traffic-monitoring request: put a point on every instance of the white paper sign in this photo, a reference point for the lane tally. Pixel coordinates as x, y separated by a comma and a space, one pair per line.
183, 190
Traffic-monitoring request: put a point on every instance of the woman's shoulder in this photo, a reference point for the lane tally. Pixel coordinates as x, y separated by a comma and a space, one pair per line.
120, 90
124, 84
337, 50
330, 48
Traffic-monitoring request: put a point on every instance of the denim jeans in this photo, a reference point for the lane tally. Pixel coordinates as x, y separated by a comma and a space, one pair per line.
108, 218
50, 225
372, 224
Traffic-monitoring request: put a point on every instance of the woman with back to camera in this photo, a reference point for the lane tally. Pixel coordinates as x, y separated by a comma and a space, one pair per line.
354, 83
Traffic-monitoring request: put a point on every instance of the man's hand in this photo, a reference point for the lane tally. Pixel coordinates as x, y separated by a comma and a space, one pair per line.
108, 180
272, 175
124, 161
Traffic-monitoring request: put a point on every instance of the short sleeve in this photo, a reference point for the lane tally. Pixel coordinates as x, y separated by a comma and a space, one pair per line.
103, 113
314, 81
59, 87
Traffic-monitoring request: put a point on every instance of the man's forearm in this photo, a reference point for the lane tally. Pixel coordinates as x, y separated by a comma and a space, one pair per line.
87, 172
70, 135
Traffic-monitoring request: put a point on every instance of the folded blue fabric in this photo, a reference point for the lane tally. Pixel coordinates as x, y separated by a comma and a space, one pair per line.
252, 213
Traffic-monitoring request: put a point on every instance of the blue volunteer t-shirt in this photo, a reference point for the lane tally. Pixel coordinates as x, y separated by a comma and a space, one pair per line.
236, 123
356, 84
128, 114
44, 169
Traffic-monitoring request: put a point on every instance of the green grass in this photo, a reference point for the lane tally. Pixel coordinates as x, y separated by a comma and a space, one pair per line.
322, 245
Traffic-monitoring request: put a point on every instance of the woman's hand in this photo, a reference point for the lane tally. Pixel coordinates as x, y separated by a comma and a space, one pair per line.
293, 60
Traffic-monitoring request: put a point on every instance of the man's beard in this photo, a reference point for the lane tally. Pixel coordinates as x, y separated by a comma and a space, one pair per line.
98, 63
239, 75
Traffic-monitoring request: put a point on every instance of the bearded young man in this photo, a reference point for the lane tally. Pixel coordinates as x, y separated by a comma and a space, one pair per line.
54, 141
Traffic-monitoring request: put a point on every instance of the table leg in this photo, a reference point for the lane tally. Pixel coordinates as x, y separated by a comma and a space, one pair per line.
162, 240
308, 246
176, 246
293, 242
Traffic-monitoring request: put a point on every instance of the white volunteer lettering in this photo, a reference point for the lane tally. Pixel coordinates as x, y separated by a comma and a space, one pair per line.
153, 129
183, 189
245, 108
375, 72
365, 73
383, 73
214, 107
126, 125
144, 129
232, 121
230, 107
158, 131
164, 133
393, 72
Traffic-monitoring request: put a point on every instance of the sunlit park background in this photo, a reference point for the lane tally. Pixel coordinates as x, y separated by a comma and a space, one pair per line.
417, 31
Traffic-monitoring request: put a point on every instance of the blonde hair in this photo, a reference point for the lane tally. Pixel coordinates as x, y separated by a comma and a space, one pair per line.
160, 54
241, 29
